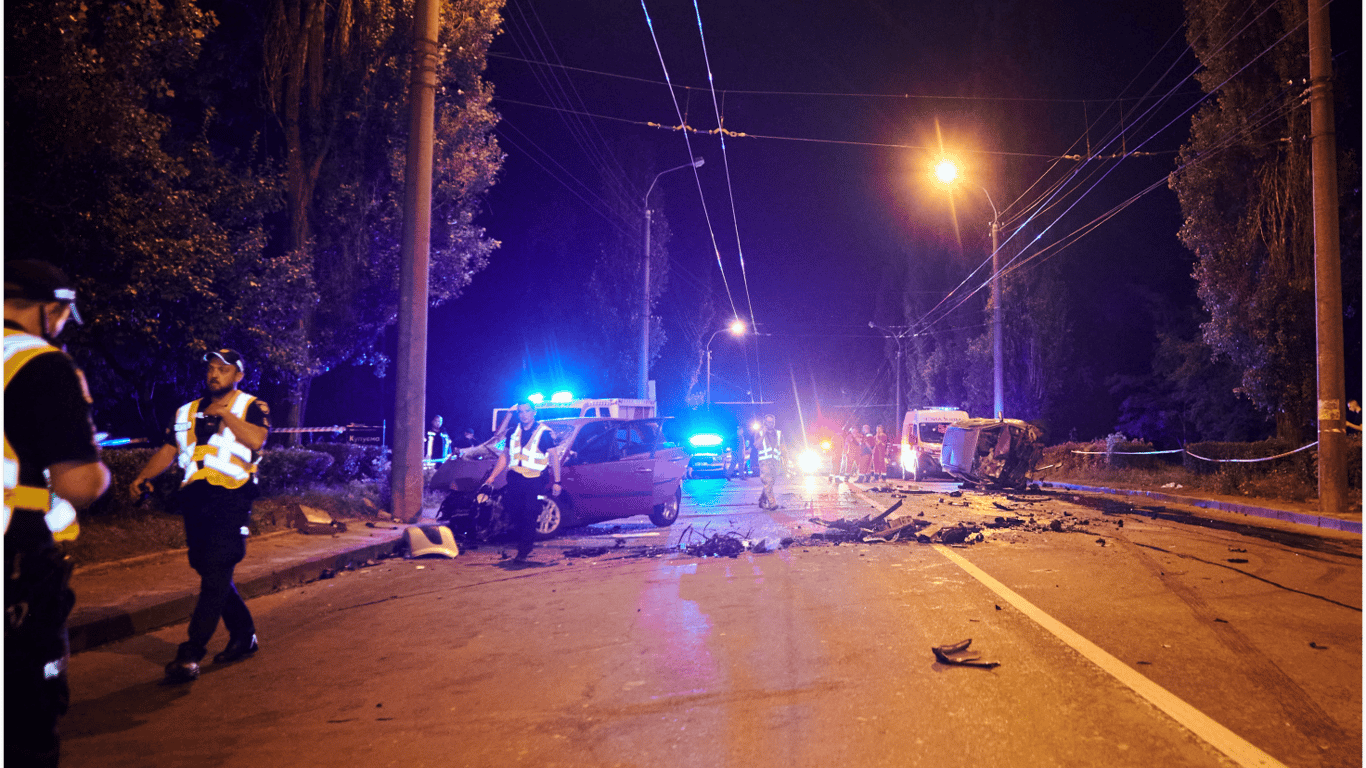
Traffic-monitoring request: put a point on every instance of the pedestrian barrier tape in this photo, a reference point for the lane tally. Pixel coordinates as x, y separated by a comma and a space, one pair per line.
1197, 456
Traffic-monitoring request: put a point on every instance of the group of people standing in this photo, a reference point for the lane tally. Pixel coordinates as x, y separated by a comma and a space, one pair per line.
865, 453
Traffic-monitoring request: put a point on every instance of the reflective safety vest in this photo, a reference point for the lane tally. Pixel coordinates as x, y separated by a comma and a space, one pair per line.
58, 513
769, 452
528, 460
225, 461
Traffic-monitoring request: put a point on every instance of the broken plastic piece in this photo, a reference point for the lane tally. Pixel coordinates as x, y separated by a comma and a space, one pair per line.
958, 654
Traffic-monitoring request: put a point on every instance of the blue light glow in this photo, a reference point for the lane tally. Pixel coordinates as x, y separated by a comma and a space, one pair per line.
705, 440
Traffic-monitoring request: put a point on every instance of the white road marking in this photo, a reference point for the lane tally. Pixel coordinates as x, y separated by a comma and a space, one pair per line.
1237, 748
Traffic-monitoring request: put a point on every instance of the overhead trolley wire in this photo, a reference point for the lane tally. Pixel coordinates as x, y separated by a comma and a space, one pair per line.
706, 214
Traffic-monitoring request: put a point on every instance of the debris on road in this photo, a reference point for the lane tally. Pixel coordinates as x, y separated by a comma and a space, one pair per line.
958, 654
585, 551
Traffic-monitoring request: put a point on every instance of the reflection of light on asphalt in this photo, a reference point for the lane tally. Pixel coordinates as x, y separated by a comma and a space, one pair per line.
678, 631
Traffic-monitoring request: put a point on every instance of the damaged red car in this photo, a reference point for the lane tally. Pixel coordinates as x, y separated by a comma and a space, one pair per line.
610, 468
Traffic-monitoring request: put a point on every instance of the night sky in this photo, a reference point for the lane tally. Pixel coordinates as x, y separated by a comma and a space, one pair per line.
846, 103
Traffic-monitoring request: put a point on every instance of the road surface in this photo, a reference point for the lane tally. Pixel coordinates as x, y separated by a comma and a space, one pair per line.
1123, 639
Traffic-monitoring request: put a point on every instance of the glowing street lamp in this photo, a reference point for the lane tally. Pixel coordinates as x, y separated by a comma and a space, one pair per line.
947, 173
736, 328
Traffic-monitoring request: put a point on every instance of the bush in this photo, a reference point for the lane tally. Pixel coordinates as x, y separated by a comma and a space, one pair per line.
353, 462
289, 470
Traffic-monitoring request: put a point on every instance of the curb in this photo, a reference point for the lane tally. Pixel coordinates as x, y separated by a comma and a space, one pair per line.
1300, 518
122, 625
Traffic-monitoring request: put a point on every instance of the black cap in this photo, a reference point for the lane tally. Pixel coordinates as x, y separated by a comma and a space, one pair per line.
229, 356
37, 280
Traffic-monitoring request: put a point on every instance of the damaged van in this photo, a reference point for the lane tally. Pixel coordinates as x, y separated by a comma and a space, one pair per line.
992, 452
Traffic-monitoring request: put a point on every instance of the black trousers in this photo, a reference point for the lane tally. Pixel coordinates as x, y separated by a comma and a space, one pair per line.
214, 518
37, 603
523, 508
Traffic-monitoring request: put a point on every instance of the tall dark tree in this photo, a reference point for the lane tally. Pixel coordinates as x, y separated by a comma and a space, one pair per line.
336, 77
1243, 184
165, 238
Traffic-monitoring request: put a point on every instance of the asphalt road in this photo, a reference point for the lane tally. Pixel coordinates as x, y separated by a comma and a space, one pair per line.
1123, 639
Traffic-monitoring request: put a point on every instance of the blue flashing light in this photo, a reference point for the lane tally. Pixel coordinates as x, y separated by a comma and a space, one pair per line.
536, 398
563, 396
705, 440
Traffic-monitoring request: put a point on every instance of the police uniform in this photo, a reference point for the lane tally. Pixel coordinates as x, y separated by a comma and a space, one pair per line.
215, 496
768, 446
47, 421
528, 458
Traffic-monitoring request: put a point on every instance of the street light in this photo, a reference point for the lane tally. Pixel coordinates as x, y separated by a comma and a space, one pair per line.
643, 389
947, 172
736, 328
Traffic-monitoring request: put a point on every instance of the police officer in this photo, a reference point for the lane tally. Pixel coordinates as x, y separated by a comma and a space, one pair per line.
769, 446
48, 431
217, 441
527, 455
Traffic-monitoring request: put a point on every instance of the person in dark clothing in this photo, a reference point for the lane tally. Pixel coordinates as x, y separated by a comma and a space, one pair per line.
530, 451
466, 440
52, 467
217, 440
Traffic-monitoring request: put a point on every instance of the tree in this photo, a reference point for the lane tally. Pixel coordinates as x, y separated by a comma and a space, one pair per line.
1243, 184
335, 77
164, 237
1189, 395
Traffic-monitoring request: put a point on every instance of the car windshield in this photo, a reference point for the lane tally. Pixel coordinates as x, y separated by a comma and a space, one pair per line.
933, 433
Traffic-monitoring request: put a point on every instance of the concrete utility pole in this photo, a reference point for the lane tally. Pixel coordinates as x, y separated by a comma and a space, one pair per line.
410, 394
1327, 266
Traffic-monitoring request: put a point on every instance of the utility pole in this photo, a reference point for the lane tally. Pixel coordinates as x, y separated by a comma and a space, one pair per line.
410, 394
1327, 267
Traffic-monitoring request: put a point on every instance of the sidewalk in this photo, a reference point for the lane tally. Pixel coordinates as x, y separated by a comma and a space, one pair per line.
128, 597
1291, 512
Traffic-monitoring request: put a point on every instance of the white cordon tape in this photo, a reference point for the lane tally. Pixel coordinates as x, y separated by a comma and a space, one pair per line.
1197, 456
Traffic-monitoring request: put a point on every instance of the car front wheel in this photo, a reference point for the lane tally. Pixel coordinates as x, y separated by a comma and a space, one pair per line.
552, 518
665, 514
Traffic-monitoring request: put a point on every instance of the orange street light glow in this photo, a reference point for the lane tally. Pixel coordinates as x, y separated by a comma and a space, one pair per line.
946, 171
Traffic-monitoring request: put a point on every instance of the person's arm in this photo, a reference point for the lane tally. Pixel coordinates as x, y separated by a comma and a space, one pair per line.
251, 435
79, 482
160, 462
498, 468
555, 470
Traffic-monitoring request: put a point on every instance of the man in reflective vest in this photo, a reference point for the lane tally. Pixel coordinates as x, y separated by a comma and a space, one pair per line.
52, 467
217, 442
769, 446
529, 452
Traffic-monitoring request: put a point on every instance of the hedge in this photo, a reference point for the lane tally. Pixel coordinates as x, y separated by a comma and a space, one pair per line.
282, 470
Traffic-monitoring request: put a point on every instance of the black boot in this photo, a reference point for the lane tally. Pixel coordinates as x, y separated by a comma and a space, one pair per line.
237, 649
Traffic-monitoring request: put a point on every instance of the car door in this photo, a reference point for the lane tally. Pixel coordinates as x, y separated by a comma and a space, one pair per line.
638, 441
669, 463
601, 484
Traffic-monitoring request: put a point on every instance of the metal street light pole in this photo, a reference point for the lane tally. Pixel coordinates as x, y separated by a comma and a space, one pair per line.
947, 172
643, 387
736, 328
997, 354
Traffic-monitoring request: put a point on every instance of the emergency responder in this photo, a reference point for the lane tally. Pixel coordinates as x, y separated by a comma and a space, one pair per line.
769, 445
530, 450
48, 431
438, 447
217, 441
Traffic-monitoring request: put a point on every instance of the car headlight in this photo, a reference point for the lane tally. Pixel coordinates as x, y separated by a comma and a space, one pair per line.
809, 461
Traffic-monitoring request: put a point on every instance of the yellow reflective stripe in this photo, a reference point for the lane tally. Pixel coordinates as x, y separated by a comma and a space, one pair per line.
28, 497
